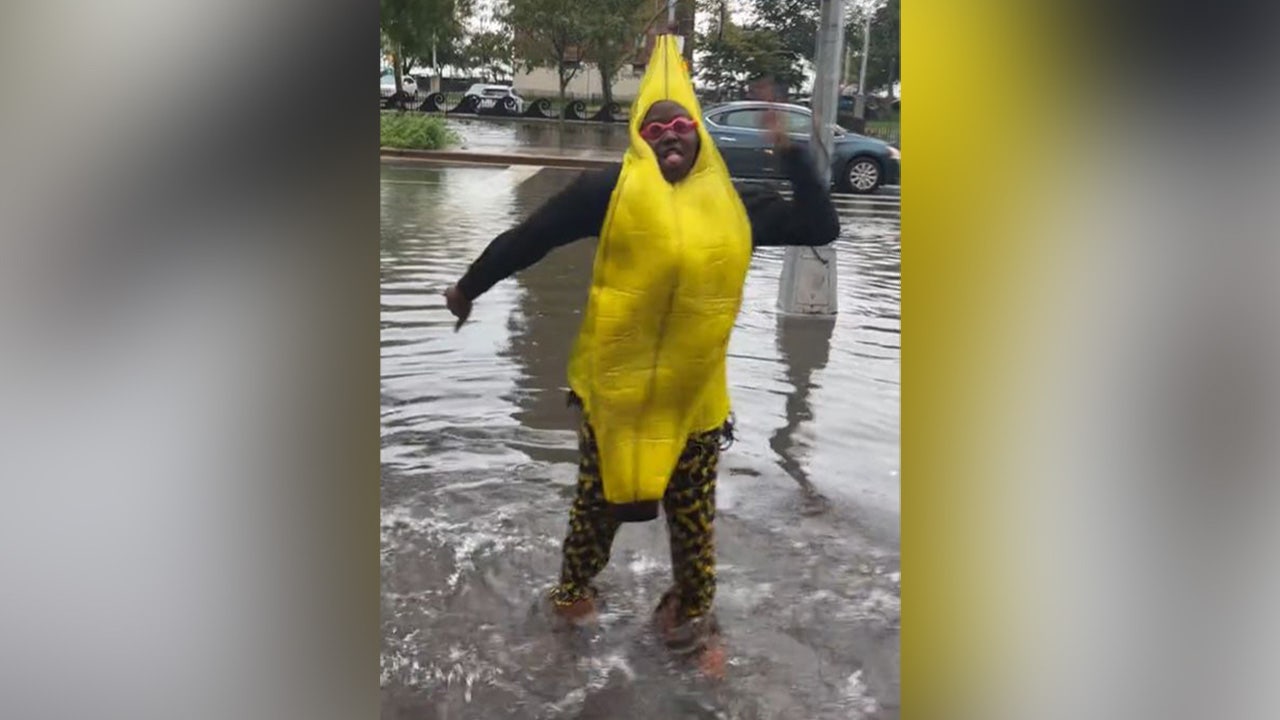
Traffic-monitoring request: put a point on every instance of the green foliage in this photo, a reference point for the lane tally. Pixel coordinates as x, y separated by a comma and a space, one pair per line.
548, 29
490, 52
609, 27
410, 28
415, 131
735, 57
884, 62
599, 30
795, 22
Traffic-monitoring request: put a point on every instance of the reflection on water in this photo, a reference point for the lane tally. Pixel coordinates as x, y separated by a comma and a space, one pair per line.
478, 452
804, 343
493, 134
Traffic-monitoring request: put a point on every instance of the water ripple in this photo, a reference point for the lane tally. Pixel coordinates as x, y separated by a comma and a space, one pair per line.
479, 459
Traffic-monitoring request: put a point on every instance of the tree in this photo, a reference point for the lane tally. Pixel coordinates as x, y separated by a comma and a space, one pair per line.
609, 28
490, 52
412, 27
773, 46
735, 57
722, 60
549, 33
795, 22
884, 61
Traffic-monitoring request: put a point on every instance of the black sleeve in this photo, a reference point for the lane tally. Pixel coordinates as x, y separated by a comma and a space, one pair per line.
808, 218
574, 213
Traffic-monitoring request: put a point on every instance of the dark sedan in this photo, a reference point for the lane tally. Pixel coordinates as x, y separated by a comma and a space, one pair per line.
859, 164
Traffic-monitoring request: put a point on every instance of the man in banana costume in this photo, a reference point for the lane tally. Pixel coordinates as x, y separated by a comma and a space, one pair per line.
648, 368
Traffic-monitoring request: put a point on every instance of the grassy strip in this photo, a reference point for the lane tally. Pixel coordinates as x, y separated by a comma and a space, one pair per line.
415, 131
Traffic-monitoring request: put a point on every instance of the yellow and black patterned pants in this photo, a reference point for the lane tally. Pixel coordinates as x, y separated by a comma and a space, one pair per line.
690, 508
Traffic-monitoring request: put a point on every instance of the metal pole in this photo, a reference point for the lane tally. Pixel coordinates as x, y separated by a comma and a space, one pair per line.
808, 283
860, 104
826, 83
435, 68
848, 60
671, 12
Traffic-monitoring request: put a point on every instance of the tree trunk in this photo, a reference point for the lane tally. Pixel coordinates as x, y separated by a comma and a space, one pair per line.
606, 81
559, 46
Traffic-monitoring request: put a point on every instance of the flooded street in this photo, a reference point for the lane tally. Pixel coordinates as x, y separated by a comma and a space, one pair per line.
479, 460
514, 134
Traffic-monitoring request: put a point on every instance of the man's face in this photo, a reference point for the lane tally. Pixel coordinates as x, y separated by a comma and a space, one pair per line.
673, 135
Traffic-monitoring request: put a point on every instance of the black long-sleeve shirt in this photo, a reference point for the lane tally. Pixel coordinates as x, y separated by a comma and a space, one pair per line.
579, 210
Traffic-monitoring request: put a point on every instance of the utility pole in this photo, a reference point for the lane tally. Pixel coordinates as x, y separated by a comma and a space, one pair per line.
435, 67
848, 60
682, 27
826, 83
808, 283
860, 104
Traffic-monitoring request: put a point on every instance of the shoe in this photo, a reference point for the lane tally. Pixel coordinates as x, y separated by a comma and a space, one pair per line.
695, 638
582, 611
712, 659
579, 612
666, 617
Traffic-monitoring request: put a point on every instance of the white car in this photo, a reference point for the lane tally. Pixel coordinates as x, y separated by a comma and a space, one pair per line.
407, 82
491, 95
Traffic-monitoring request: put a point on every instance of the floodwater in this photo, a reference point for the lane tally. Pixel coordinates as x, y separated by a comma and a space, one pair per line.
492, 134
479, 462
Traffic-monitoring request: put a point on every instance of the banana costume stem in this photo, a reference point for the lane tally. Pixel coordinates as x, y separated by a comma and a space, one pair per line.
649, 362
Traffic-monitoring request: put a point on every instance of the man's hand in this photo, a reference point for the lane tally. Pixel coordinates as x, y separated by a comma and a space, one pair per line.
458, 304
774, 125
776, 129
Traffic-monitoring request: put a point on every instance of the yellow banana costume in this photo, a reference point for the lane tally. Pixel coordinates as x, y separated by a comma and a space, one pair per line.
649, 362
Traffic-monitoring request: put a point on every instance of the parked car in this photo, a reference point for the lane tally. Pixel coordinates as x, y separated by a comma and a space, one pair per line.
844, 104
491, 95
859, 164
407, 82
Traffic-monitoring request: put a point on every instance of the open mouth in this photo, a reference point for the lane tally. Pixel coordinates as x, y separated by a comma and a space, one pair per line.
671, 156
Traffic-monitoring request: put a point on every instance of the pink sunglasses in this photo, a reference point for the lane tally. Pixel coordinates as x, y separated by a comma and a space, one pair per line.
680, 125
